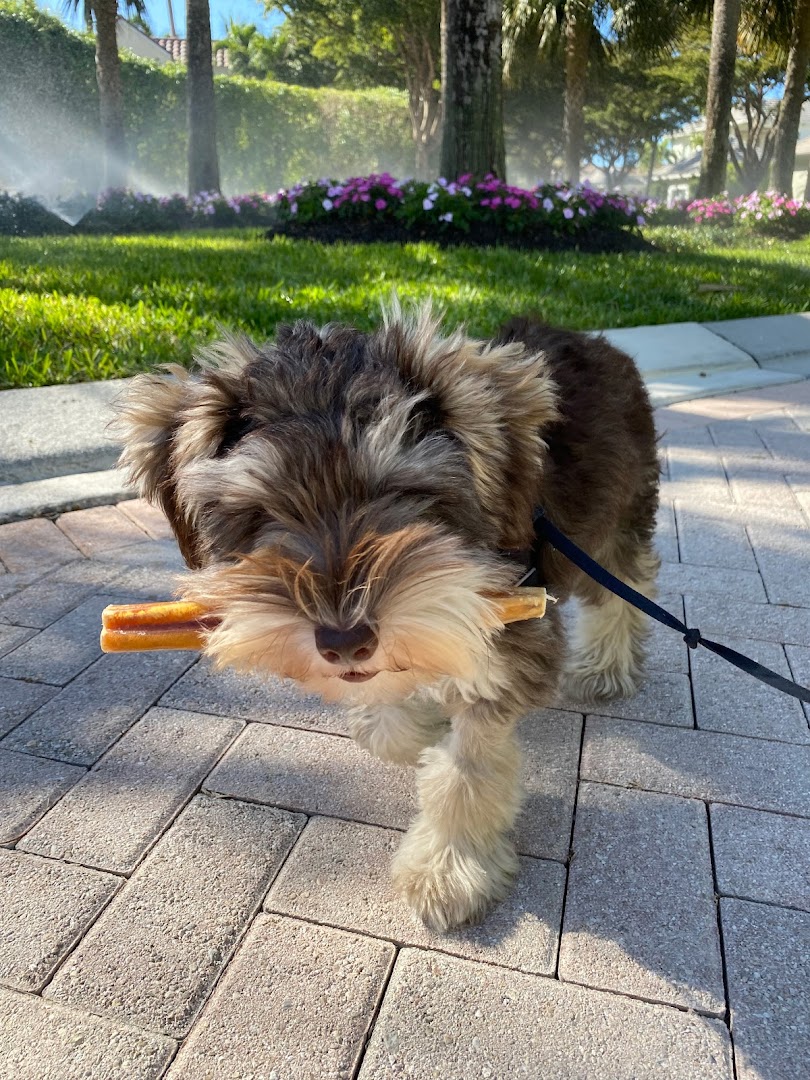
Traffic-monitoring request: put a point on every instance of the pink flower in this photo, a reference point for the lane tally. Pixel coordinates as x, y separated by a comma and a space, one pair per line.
380, 204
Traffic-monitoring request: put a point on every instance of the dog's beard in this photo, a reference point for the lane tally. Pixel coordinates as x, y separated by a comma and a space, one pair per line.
423, 593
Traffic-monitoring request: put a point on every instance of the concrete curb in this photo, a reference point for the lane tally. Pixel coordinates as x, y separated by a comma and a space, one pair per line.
57, 494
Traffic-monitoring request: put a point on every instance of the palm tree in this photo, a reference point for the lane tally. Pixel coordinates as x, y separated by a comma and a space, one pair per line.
203, 161
102, 14
472, 100
785, 25
583, 28
722, 60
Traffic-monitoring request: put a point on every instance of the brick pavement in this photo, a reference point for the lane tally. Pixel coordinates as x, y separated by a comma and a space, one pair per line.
194, 866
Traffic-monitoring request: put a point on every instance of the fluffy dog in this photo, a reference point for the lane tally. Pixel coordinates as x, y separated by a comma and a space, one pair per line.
346, 500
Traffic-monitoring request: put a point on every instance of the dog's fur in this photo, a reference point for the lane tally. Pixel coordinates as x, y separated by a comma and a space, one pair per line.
336, 478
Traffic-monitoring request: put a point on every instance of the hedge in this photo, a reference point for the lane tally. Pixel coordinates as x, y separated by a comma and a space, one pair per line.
270, 135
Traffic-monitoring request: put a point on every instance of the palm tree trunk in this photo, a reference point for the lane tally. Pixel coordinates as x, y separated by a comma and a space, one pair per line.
578, 27
472, 91
110, 94
787, 126
203, 162
725, 24
651, 169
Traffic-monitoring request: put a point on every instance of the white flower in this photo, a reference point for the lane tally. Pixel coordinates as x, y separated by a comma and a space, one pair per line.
427, 204
446, 217
327, 204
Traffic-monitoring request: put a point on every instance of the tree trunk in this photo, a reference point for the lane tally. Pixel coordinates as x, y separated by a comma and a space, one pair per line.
787, 126
472, 91
651, 170
424, 103
203, 163
172, 30
725, 24
578, 27
110, 94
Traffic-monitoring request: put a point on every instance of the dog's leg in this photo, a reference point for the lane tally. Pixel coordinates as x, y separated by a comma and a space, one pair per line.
398, 733
456, 859
607, 648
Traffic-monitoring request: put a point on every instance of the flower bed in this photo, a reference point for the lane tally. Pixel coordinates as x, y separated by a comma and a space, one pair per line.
486, 211
766, 211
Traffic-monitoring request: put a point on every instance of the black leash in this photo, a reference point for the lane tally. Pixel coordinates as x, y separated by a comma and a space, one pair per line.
544, 530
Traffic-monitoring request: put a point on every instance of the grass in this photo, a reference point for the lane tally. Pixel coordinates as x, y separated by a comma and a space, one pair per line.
79, 308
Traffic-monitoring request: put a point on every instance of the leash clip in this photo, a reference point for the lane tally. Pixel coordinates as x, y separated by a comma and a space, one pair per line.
692, 638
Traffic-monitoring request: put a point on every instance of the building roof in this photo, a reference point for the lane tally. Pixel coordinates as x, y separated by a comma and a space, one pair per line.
177, 48
162, 50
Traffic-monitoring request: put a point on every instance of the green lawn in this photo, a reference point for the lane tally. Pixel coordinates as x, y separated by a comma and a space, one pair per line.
77, 308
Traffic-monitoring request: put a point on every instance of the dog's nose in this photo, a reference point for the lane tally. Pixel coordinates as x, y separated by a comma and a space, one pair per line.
356, 644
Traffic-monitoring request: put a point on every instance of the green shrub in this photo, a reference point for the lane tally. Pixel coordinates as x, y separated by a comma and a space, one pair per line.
269, 134
20, 216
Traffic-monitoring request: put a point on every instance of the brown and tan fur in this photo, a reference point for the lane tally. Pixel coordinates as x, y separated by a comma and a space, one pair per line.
335, 482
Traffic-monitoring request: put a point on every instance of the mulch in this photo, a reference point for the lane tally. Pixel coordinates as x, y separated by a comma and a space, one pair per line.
593, 241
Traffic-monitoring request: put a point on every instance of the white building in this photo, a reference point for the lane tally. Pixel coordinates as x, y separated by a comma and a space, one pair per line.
685, 146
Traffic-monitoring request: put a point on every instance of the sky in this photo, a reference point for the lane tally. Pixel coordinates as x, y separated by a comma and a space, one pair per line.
222, 11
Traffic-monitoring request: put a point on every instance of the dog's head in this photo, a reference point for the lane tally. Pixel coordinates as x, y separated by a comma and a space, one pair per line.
341, 497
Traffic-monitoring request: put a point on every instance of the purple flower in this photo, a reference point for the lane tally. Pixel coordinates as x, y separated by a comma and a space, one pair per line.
380, 204
427, 204
568, 213
548, 204
327, 204
446, 217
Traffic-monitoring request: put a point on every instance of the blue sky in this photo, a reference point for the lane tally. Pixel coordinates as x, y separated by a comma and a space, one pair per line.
222, 11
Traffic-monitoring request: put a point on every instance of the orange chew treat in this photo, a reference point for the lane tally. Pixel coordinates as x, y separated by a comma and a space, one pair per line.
145, 639
520, 604
182, 624
167, 612
173, 624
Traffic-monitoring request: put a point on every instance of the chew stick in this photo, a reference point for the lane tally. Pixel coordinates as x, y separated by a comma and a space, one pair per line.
171, 624
182, 624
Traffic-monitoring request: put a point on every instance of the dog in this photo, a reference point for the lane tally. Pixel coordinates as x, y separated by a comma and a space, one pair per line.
345, 502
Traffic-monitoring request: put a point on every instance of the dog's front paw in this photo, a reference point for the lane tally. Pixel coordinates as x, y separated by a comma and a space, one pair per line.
452, 885
396, 733
586, 685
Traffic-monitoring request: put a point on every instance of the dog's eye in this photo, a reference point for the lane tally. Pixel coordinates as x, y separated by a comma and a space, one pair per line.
236, 427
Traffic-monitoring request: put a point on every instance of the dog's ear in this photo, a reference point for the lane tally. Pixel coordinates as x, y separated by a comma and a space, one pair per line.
171, 420
148, 416
497, 399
